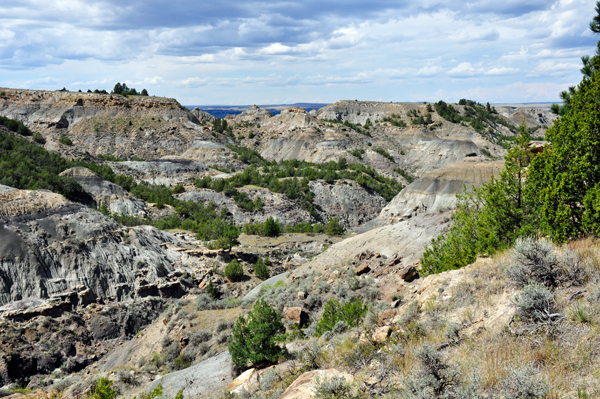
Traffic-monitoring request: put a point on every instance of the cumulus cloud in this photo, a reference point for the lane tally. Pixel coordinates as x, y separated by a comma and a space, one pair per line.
382, 48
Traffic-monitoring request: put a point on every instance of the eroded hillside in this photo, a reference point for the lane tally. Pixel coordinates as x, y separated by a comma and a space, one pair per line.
142, 252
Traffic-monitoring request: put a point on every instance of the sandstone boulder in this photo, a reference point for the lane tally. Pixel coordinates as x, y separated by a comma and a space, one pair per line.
381, 334
297, 315
386, 317
363, 268
304, 386
409, 273
247, 381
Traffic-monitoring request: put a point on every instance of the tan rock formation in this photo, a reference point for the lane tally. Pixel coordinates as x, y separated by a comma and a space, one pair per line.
304, 386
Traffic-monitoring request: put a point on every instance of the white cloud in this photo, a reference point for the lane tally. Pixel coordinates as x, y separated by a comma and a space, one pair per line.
380, 50
429, 71
154, 81
464, 69
502, 71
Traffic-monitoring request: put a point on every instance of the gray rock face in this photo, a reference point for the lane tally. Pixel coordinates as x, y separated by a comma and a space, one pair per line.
254, 114
168, 171
276, 205
57, 248
204, 378
100, 189
347, 200
211, 153
407, 239
436, 190
358, 111
104, 192
202, 115
351, 203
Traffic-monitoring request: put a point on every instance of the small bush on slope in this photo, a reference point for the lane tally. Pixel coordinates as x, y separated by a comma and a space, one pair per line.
253, 338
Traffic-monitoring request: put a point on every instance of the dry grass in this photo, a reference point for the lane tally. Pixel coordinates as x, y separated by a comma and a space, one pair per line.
566, 355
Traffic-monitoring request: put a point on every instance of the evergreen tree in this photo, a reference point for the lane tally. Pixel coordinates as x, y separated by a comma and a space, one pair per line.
565, 179
260, 270
144, 93
118, 89
253, 339
272, 227
234, 271
488, 218
212, 291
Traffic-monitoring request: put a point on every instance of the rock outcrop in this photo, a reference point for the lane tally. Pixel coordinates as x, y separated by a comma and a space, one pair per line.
146, 127
254, 114
168, 171
436, 191
305, 386
202, 115
211, 153
56, 250
102, 191
358, 112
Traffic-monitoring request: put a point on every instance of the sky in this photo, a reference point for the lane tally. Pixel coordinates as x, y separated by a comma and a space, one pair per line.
234, 52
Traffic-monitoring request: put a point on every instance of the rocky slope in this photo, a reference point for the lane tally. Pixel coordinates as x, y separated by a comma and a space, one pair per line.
104, 192
55, 249
435, 191
146, 127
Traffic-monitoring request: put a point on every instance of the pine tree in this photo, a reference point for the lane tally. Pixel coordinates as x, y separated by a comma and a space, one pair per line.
565, 179
253, 338
260, 270
272, 227
488, 218
212, 291
234, 271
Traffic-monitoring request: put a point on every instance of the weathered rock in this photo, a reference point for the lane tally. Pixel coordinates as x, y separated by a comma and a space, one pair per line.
381, 334
254, 114
363, 268
297, 315
386, 317
50, 246
395, 261
201, 380
301, 295
247, 381
146, 127
409, 273
102, 191
304, 386
436, 191
347, 200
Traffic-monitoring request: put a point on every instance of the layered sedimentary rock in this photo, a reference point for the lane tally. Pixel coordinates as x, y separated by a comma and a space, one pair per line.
146, 127
53, 248
435, 191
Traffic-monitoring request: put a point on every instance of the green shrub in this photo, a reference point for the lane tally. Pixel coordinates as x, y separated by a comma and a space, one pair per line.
234, 271
253, 340
385, 154
178, 189
212, 291
534, 260
523, 382
65, 140
272, 227
535, 303
38, 138
350, 312
334, 228
103, 389
335, 388
260, 270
